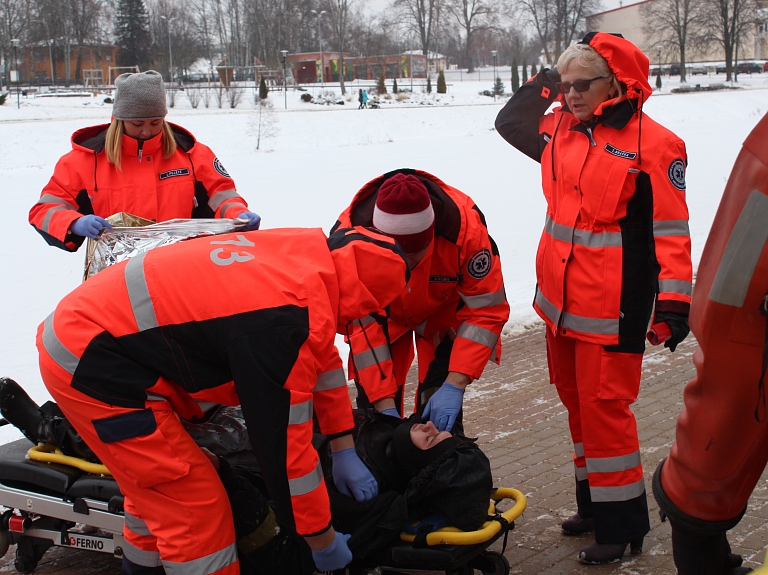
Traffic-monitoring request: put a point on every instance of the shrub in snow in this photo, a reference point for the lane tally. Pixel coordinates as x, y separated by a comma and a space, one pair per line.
381, 87
658, 81
306, 97
194, 95
498, 87
263, 122
263, 90
429, 85
394, 86
402, 96
441, 87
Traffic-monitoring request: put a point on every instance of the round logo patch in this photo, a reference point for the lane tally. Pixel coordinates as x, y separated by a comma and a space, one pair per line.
220, 168
480, 264
676, 173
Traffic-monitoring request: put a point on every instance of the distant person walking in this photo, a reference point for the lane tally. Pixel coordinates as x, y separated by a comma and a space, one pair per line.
139, 164
365, 99
360, 99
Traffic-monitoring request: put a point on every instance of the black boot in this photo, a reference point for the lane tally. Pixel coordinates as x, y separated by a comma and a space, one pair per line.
600, 553
44, 424
698, 554
577, 525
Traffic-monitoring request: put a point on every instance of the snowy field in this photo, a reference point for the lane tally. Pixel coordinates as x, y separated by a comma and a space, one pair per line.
308, 173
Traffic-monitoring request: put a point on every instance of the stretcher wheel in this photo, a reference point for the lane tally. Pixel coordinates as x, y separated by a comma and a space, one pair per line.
5, 541
499, 563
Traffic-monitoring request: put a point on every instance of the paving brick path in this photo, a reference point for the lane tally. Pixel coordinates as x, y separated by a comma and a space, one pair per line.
521, 425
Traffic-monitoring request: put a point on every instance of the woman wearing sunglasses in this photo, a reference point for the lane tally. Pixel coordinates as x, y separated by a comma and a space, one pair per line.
615, 244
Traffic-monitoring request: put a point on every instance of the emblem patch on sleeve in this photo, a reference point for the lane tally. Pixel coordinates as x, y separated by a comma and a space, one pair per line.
676, 173
220, 168
480, 264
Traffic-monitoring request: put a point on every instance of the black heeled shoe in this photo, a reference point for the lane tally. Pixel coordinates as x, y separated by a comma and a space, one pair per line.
602, 553
577, 525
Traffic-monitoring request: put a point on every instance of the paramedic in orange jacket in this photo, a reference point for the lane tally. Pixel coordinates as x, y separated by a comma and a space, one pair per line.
139, 164
615, 243
456, 291
721, 444
263, 313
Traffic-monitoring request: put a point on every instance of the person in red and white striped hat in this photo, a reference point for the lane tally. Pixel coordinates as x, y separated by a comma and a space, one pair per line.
454, 306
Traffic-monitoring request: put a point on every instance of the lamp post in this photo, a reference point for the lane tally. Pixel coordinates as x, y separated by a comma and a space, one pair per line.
493, 55
15, 43
285, 80
320, 45
659, 47
170, 52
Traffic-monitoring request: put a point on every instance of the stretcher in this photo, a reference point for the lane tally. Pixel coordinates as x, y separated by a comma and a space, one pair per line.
52, 504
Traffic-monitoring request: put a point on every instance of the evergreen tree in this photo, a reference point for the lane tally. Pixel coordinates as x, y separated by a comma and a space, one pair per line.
429, 85
658, 81
381, 87
498, 87
515, 76
441, 87
132, 34
533, 70
525, 73
263, 90
394, 86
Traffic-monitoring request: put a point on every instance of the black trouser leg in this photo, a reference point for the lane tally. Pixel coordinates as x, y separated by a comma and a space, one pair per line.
130, 568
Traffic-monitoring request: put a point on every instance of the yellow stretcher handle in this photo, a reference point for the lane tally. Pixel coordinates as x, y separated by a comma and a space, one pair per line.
762, 570
455, 536
52, 454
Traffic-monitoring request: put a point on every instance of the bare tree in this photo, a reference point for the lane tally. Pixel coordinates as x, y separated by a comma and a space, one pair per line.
728, 22
473, 16
677, 25
263, 122
421, 17
339, 12
558, 22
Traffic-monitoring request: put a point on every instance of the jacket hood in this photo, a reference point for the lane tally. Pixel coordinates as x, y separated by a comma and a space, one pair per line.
91, 139
371, 269
626, 60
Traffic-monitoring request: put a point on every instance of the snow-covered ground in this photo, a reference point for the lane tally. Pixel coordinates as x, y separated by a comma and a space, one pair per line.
321, 156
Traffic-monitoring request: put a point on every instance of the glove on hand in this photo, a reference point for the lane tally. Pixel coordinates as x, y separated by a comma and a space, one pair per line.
352, 477
443, 407
336, 556
548, 78
391, 411
89, 226
254, 220
674, 330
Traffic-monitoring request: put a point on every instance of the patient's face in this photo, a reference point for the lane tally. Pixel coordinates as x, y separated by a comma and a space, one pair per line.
426, 435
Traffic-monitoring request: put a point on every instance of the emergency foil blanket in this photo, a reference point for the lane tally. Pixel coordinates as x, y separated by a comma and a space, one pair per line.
132, 235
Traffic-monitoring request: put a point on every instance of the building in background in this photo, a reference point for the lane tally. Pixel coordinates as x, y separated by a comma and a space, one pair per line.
317, 67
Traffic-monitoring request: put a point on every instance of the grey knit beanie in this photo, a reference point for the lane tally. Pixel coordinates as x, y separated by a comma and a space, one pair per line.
139, 96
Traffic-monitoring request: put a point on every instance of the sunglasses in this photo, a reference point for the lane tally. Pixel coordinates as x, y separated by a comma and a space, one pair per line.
578, 85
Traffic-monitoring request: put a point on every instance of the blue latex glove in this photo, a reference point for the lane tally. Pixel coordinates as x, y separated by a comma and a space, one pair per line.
391, 411
352, 477
443, 407
336, 556
89, 226
254, 220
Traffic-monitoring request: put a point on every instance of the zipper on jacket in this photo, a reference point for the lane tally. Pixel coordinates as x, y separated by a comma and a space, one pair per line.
591, 139
141, 148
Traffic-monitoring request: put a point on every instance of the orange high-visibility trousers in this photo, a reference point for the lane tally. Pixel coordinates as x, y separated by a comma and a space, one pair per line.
177, 510
598, 387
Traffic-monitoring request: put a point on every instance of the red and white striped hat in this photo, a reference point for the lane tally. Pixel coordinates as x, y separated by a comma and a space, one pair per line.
404, 212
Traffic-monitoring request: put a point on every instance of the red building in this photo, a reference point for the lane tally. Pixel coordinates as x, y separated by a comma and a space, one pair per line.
316, 67
35, 63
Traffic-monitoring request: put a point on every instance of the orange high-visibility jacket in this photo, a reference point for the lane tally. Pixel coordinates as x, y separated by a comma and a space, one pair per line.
260, 309
616, 234
457, 285
192, 183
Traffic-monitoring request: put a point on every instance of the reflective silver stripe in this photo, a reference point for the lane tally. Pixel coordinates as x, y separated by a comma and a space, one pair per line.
136, 525
591, 324
368, 357
613, 464
363, 321
484, 300
138, 293
420, 328
205, 565
681, 287
581, 473
582, 237
578, 448
220, 197
155, 397
477, 334
49, 215
548, 308
331, 380
225, 209
60, 354
617, 493
141, 557
51, 199
300, 413
671, 228
307, 483
739, 260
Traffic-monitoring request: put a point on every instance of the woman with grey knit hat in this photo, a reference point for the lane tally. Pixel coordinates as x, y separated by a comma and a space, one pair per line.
140, 164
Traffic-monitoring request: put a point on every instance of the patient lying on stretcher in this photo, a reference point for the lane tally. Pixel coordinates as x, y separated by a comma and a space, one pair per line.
423, 474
